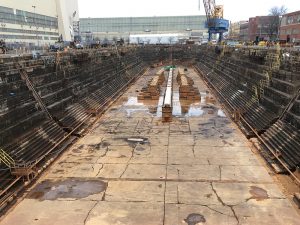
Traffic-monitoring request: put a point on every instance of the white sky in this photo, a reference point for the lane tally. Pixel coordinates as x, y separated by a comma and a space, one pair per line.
234, 10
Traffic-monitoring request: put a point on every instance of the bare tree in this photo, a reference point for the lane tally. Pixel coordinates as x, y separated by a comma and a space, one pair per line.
138, 39
148, 41
275, 21
277, 11
159, 40
171, 39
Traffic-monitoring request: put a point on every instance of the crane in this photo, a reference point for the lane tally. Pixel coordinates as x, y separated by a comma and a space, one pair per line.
215, 22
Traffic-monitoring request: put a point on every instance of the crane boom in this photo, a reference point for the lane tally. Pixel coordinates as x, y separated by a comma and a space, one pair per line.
209, 6
215, 22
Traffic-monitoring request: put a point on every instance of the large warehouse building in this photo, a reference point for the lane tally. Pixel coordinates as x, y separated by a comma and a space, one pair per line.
36, 23
123, 27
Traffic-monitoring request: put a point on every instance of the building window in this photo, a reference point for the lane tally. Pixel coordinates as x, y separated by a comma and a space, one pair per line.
23, 31
27, 37
290, 20
8, 15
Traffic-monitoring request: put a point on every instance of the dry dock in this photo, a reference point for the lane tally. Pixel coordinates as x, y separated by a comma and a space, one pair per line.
132, 169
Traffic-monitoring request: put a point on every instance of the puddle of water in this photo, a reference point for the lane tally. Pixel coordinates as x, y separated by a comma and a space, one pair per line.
131, 111
176, 111
221, 113
68, 188
194, 219
139, 148
159, 106
100, 145
203, 97
259, 194
133, 101
132, 105
195, 111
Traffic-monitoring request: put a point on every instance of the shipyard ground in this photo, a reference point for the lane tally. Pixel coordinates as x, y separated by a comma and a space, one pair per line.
132, 169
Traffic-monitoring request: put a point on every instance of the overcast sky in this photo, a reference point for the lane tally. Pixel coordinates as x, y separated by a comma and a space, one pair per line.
234, 10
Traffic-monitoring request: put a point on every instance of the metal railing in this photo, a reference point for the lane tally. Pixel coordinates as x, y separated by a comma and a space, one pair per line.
6, 159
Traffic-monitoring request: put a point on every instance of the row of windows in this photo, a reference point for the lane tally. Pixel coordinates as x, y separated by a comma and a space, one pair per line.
292, 19
140, 24
122, 20
8, 15
6, 10
10, 30
141, 28
8, 36
290, 31
152, 27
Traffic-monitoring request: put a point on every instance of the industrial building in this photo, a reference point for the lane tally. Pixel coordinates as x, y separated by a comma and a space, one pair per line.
36, 23
290, 27
114, 28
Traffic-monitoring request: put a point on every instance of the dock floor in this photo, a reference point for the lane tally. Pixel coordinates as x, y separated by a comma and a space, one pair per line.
132, 169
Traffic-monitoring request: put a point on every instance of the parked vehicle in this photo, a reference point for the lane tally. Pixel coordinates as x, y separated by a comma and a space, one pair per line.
78, 46
233, 44
56, 47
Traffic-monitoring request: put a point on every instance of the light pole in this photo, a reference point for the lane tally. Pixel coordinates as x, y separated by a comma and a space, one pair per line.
34, 22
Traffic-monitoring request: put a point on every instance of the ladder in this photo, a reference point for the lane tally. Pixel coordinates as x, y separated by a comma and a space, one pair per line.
30, 86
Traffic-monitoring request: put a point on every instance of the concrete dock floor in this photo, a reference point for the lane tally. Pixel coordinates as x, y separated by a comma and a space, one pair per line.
132, 169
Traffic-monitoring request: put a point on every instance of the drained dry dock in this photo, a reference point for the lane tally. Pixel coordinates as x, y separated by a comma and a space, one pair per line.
133, 169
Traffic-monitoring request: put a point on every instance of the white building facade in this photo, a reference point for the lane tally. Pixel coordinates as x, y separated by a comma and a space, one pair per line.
37, 22
68, 18
125, 27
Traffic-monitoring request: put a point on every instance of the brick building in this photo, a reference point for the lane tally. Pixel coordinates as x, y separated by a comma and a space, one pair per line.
290, 27
263, 28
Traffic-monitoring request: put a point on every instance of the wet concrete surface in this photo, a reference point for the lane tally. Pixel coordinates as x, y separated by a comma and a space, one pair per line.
132, 169
194, 219
67, 188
